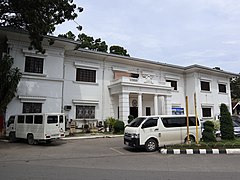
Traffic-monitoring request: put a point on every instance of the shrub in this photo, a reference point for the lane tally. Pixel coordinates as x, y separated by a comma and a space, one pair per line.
118, 126
110, 123
226, 124
208, 132
130, 118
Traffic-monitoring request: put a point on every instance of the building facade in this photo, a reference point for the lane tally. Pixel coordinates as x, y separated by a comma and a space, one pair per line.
90, 86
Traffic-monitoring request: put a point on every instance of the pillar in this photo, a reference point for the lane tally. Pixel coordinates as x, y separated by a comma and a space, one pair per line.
156, 104
124, 107
140, 104
168, 104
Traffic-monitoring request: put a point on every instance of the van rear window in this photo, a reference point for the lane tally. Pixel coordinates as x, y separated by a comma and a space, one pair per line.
52, 119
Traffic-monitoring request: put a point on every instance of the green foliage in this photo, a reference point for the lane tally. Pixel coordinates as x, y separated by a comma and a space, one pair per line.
118, 126
88, 42
118, 50
235, 88
68, 35
110, 122
226, 124
208, 132
130, 118
9, 78
38, 17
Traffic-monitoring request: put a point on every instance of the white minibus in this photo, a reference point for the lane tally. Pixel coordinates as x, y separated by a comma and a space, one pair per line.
36, 127
157, 131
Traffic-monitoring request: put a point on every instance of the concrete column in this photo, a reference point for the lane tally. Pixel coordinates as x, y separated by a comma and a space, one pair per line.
140, 104
162, 105
124, 107
156, 104
168, 105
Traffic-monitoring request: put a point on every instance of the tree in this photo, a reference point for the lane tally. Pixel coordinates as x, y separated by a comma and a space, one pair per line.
68, 35
226, 124
9, 78
208, 135
118, 50
88, 42
235, 88
37, 17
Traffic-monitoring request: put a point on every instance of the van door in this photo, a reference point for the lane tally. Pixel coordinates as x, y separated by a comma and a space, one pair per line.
10, 125
62, 123
149, 129
171, 133
52, 126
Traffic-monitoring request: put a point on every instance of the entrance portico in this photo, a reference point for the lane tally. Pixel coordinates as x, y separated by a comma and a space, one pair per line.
145, 97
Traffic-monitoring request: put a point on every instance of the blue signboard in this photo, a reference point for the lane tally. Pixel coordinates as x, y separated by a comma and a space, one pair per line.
177, 111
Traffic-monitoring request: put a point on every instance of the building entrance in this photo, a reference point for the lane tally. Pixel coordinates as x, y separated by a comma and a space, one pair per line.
134, 111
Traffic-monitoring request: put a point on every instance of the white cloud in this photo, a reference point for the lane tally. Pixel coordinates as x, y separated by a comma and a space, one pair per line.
206, 32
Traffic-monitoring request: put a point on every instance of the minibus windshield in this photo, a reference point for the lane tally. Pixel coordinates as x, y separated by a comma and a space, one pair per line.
136, 122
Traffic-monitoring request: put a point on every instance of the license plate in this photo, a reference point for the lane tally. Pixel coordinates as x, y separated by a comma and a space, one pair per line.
55, 135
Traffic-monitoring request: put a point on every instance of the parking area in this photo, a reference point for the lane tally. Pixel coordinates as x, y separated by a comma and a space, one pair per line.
108, 158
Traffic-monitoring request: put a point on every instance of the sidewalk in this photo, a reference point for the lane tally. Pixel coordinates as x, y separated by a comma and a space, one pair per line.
92, 136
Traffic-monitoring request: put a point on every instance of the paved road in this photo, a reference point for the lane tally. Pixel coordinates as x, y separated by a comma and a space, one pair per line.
108, 158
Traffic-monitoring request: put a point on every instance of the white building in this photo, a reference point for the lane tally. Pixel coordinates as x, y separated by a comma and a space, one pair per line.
91, 86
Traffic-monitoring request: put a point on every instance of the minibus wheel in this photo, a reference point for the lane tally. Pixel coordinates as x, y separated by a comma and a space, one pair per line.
151, 145
191, 140
12, 137
30, 139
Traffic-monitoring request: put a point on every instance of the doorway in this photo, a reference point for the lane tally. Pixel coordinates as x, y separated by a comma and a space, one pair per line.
134, 111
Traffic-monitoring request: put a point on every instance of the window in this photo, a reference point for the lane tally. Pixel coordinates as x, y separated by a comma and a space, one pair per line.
150, 123
173, 84
206, 112
34, 65
148, 111
205, 86
86, 75
52, 119
10, 120
178, 121
32, 107
20, 119
222, 88
174, 122
61, 119
87, 112
38, 119
134, 75
29, 119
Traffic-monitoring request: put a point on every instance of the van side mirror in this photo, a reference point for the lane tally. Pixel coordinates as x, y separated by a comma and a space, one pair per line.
143, 126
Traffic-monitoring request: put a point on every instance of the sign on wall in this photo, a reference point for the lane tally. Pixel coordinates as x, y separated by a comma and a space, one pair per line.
177, 111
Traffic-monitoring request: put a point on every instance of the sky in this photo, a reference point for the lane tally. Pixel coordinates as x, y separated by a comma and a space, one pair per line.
178, 32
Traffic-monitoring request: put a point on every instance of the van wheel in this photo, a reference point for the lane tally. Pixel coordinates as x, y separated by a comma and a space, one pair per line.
151, 145
12, 137
30, 139
191, 140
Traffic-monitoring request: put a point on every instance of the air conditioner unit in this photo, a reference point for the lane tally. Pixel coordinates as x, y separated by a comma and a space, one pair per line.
67, 108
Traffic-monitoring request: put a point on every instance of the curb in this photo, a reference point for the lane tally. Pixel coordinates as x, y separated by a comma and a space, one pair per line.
92, 137
199, 151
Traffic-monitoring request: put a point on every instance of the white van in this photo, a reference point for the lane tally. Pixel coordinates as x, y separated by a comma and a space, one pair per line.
36, 127
156, 131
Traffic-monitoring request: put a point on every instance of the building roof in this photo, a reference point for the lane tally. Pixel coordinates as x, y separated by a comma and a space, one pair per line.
70, 46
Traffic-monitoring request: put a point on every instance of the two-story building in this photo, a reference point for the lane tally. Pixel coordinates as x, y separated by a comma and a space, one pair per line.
90, 86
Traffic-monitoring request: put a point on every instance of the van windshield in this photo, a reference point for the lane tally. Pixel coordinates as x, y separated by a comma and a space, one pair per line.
136, 122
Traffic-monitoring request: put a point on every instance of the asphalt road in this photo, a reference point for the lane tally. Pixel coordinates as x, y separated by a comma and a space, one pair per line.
108, 158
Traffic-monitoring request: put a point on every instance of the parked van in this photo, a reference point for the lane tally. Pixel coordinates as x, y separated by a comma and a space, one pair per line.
156, 131
36, 127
